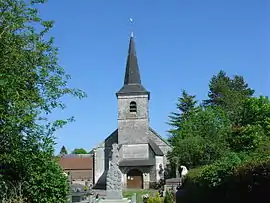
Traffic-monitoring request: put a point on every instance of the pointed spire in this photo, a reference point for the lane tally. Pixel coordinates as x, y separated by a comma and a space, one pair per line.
132, 81
132, 75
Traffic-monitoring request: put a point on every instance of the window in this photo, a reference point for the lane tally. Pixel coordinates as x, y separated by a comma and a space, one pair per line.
133, 107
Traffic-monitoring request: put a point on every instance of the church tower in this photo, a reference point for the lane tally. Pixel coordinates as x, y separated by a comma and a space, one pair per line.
142, 151
133, 99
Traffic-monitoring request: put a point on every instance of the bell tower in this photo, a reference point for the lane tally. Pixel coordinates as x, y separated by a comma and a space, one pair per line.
133, 99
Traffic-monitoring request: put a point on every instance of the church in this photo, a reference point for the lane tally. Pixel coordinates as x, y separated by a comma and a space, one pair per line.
142, 150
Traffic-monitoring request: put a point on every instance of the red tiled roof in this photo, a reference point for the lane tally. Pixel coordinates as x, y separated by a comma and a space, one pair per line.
79, 163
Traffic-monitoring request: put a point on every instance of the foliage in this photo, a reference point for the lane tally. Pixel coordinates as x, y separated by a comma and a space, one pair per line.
32, 85
186, 104
63, 151
238, 179
14, 200
256, 111
79, 151
227, 92
139, 194
230, 120
201, 139
246, 138
226, 140
252, 128
168, 197
154, 199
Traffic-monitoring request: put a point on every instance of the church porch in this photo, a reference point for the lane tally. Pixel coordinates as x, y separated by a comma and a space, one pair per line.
138, 177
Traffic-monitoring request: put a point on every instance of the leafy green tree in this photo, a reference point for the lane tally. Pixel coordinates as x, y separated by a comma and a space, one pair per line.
202, 138
79, 151
63, 151
252, 129
31, 86
256, 111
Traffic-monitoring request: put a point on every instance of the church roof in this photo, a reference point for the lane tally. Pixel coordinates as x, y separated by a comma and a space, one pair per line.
132, 82
155, 148
164, 140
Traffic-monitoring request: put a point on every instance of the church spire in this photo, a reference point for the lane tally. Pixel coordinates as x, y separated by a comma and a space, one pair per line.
132, 75
132, 81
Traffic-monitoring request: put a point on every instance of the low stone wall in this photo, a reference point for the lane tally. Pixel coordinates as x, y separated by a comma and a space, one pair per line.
172, 183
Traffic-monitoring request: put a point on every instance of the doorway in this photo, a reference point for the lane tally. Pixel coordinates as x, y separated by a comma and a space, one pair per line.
135, 179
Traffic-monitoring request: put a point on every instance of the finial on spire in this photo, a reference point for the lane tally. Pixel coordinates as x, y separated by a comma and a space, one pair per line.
131, 22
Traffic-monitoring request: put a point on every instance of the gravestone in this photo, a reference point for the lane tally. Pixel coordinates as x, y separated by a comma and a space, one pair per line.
114, 176
114, 187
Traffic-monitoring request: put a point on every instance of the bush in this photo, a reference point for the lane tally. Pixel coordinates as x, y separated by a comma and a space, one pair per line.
168, 197
155, 199
234, 178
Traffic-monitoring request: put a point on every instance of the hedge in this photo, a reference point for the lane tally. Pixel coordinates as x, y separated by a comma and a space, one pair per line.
231, 179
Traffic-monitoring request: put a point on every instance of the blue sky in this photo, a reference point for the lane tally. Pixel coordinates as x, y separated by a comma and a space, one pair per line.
180, 45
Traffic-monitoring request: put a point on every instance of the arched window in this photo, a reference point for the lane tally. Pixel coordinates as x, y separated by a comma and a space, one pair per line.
133, 107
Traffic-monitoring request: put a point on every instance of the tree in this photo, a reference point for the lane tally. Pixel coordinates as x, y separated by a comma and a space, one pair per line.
226, 141
186, 104
252, 129
79, 151
228, 93
202, 137
224, 90
63, 151
31, 85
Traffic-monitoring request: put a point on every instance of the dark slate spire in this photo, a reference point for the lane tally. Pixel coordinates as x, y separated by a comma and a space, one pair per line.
132, 81
132, 75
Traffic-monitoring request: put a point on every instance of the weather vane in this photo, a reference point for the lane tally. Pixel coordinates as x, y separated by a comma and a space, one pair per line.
131, 22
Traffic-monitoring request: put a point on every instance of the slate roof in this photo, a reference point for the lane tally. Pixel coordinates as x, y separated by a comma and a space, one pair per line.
132, 82
155, 148
158, 135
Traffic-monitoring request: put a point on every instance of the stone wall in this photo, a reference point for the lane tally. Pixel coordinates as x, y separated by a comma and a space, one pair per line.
99, 163
133, 127
134, 151
102, 157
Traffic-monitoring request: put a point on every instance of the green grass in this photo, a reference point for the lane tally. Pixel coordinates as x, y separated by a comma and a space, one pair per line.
139, 193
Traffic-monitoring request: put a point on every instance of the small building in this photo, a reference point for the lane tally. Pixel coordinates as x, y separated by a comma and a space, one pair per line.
79, 168
142, 150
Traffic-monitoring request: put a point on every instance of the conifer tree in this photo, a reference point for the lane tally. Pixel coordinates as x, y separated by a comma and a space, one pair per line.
186, 104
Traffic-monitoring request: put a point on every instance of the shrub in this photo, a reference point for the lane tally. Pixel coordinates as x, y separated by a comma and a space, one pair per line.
155, 199
234, 178
168, 197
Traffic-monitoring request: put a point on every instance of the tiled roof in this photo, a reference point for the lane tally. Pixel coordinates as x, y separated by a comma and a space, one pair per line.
76, 163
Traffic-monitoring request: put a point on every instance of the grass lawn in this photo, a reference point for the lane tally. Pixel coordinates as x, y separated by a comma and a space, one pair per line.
139, 193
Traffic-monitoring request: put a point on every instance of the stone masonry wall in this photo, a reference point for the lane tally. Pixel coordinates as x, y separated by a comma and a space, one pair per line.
132, 127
